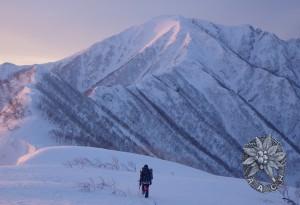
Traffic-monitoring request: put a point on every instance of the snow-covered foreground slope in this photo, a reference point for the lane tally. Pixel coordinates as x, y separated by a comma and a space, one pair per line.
79, 175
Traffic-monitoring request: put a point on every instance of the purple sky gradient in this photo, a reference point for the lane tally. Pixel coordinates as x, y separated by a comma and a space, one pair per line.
38, 31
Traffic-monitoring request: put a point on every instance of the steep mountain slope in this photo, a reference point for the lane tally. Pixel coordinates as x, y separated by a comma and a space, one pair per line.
179, 89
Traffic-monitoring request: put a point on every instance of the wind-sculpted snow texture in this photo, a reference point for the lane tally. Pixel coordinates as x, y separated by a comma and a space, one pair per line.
77, 175
179, 89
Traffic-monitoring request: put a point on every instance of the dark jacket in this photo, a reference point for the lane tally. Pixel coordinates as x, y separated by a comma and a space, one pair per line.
146, 176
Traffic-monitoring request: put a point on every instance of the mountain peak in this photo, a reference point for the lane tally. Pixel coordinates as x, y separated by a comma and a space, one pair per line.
167, 39
174, 88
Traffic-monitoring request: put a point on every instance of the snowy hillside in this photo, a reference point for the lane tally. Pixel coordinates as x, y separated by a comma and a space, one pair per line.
179, 89
80, 175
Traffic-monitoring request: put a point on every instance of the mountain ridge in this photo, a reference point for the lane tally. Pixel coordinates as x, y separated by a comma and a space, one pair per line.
175, 88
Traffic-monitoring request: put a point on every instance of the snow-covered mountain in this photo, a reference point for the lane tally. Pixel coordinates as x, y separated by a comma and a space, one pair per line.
175, 88
82, 175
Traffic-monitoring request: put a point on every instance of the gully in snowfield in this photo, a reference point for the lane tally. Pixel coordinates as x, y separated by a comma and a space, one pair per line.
146, 177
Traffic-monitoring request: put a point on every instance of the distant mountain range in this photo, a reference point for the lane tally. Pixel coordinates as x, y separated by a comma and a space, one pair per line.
180, 89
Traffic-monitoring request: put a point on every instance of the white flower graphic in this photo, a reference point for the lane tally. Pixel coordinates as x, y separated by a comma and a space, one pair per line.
264, 156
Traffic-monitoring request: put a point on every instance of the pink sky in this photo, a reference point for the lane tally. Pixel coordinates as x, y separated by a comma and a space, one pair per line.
39, 31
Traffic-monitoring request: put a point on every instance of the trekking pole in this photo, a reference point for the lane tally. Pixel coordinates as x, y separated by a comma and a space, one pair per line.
139, 185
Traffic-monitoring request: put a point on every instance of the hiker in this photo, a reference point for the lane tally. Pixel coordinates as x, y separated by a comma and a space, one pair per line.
146, 177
